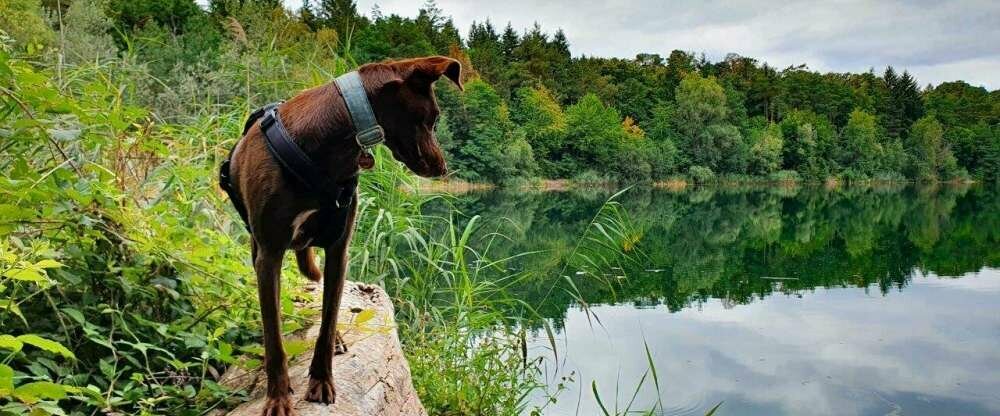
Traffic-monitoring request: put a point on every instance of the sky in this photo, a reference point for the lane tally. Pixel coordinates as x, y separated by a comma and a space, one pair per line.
936, 41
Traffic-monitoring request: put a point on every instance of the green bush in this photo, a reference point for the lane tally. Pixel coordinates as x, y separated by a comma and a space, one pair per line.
484, 140
590, 177
784, 176
22, 20
888, 176
121, 259
701, 174
87, 33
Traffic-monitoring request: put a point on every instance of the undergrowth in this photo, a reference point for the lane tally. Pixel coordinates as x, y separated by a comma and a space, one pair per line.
125, 278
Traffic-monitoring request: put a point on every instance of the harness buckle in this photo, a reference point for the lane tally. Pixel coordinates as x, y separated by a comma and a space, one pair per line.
370, 137
267, 120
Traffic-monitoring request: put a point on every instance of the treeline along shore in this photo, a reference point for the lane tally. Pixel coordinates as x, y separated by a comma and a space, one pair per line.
533, 110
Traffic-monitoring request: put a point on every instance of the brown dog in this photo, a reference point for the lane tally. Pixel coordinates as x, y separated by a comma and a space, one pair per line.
282, 215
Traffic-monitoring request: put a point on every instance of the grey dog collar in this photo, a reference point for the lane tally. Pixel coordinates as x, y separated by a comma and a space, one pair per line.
368, 133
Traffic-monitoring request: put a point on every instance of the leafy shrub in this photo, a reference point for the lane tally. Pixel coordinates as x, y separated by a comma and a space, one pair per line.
86, 32
630, 162
590, 176
701, 174
765, 149
485, 142
888, 176
784, 176
662, 158
22, 20
124, 275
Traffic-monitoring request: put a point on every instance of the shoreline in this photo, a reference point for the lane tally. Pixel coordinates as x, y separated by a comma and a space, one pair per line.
674, 184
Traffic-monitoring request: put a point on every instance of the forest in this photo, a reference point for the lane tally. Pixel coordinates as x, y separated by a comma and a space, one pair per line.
125, 284
532, 110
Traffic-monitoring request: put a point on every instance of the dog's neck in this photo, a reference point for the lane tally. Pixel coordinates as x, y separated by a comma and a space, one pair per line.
321, 125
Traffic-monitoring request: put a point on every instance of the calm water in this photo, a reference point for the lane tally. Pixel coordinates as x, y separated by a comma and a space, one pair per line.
877, 301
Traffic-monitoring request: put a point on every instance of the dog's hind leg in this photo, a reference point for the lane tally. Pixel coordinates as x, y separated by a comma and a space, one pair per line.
334, 274
268, 267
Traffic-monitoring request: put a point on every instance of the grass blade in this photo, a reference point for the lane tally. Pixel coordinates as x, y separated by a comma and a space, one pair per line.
597, 396
712, 412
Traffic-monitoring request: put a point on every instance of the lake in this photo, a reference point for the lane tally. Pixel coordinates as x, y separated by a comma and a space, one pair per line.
881, 300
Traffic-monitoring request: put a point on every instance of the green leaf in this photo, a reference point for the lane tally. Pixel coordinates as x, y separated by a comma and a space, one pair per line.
225, 352
48, 264
712, 412
13, 308
65, 135
6, 380
12, 213
47, 345
295, 347
291, 327
106, 368
75, 314
32, 392
26, 274
10, 343
251, 364
47, 409
364, 316
255, 349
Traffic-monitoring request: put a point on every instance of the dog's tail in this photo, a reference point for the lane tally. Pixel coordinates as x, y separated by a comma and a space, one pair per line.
307, 264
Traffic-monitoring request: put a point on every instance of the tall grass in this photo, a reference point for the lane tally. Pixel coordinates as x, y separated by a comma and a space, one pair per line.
628, 408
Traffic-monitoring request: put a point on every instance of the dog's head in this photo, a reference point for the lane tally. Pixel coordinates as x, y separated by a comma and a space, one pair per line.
403, 100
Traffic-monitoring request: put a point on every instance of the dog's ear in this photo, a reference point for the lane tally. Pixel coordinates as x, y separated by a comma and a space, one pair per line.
429, 69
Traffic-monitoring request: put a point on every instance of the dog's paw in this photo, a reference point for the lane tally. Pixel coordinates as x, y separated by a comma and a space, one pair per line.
278, 406
321, 391
339, 346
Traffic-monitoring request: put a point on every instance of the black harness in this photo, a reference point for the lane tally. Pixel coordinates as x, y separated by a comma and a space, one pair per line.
335, 197
330, 220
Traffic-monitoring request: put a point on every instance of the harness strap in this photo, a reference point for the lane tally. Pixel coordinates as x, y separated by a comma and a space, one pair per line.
291, 158
295, 162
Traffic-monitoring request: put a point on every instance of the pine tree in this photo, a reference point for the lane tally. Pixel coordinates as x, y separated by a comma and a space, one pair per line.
307, 16
908, 97
485, 52
509, 41
560, 44
891, 114
341, 15
903, 105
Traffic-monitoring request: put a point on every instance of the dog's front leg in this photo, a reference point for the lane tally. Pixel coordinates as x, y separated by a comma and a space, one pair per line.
321, 387
267, 263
